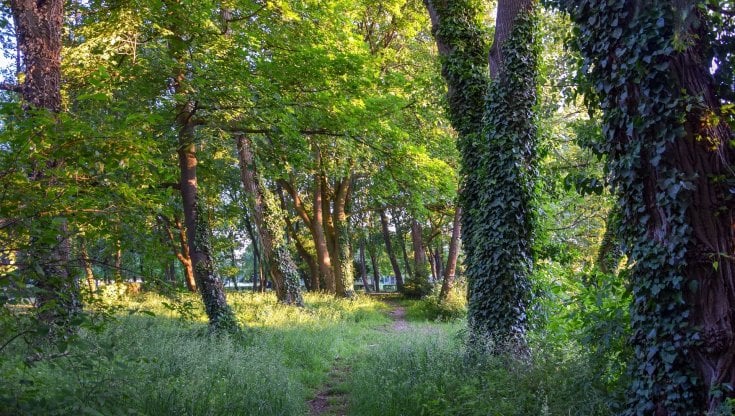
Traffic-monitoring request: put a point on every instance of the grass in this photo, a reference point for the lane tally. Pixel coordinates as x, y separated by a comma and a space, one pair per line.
156, 357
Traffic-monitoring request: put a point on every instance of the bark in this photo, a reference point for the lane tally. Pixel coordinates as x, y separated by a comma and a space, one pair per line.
87, 264
402, 243
363, 266
508, 10
271, 225
389, 249
450, 270
329, 232
376, 269
312, 261
38, 28
233, 260
344, 270
39, 25
712, 219
182, 254
197, 227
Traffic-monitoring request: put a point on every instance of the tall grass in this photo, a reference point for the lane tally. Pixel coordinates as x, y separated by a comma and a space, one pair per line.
428, 372
169, 364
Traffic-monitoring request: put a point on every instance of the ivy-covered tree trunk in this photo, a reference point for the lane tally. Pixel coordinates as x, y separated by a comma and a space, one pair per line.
38, 29
497, 159
210, 286
271, 228
670, 159
389, 249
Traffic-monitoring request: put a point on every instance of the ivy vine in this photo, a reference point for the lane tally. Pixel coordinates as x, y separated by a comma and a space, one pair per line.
503, 179
629, 50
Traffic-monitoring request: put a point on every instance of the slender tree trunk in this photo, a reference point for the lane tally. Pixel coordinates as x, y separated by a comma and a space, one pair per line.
118, 262
363, 266
182, 254
450, 270
389, 249
88, 273
344, 270
271, 228
376, 269
402, 243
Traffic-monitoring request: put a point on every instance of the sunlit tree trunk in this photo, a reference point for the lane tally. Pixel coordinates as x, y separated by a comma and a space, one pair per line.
344, 270
451, 268
389, 249
271, 228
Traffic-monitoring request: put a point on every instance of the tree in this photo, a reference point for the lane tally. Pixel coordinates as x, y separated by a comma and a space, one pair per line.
38, 27
668, 144
271, 227
498, 148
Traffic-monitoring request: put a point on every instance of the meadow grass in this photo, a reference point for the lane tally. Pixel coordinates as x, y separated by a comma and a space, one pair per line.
169, 364
156, 357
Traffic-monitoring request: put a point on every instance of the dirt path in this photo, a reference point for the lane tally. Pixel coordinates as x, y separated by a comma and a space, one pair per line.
331, 399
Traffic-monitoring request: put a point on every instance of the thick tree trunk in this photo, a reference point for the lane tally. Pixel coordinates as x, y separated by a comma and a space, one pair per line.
418, 285
677, 216
389, 249
197, 227
271, 228
498, 158
450, 270
38, 28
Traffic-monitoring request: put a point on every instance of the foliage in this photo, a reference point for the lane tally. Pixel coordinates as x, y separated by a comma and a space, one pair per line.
502, 172
631, 50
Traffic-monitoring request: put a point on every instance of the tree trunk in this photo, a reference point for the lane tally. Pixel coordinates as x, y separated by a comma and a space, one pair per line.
376, 269
271, 228
677, 216
87, 264
450, 270
197, 227
344, 271
389, 250
363, 266
118, 262
498, 161
38, 28
183, 253
402, 243
418, 284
